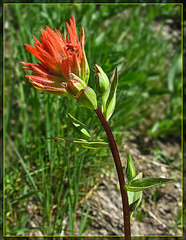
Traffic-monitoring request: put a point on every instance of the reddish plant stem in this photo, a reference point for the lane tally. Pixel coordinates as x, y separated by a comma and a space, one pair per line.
115, 154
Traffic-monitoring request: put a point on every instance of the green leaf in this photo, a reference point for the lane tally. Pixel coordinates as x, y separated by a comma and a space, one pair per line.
83, 143
133, 206
78, 126
130, 171
109, 98
134, 197
139, 176
94, 145
142, 184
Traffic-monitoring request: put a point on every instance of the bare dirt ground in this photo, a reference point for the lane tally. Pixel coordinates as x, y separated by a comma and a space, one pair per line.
160, 211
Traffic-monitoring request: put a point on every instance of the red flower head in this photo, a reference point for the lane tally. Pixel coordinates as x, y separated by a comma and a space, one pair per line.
60, 60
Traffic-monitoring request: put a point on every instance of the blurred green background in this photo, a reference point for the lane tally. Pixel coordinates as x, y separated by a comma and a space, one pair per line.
144, 42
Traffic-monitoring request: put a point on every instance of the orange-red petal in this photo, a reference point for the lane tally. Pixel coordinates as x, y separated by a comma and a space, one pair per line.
58, 57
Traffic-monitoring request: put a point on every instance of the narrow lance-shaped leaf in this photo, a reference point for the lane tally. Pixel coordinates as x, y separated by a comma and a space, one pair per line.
78, 126
134, 197
142, 184
83, 142
130, 171
109, 98
131, 196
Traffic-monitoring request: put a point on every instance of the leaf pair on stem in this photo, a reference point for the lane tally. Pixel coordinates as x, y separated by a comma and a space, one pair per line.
81, 129
136, 184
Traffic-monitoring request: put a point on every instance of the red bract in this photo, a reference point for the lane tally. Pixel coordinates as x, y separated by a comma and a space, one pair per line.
59, 58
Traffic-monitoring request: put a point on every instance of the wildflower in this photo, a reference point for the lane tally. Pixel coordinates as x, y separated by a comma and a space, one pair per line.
61, 61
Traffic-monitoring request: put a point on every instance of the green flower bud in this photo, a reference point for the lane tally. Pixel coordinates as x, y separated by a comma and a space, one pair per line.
87, 98
102, 81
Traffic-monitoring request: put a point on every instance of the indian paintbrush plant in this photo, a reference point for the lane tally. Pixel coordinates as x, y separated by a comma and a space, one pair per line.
63, 70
